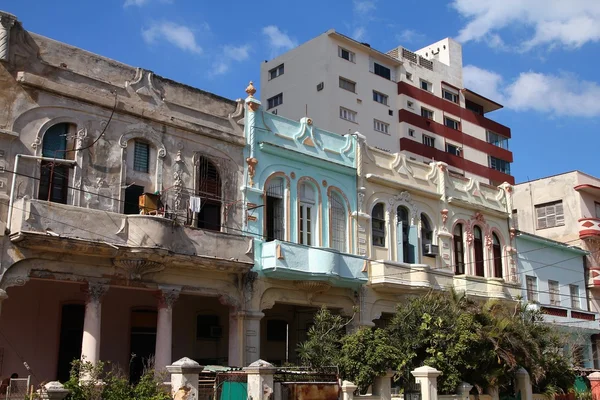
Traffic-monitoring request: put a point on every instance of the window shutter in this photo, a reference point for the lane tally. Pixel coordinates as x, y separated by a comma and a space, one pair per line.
541, 217
413, 240
393, 74
560, 216
371, 65
399, 245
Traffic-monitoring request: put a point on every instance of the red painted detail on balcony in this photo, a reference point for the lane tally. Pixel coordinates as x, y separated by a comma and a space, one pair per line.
445, 105
455, 135
583, 315
589, 227
557, 312
455, 161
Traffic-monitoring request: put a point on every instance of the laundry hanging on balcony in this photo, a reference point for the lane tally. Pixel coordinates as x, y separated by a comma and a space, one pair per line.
195, 204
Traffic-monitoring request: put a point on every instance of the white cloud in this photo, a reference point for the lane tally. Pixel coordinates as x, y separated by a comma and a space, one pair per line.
410, 36
278, 40
363, 6
230, 54
560, 95
179, 35
140, 3
570, 24
359, 33
362, 12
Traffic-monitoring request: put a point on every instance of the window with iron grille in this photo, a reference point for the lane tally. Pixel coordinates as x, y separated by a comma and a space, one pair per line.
531, 287
348, 115
338, 222
452, 149
450, 123
141, 156
549, 215
500, 165
515, 218
428, 141
553, 291
427, 113
378, 225
450, 96
381, 126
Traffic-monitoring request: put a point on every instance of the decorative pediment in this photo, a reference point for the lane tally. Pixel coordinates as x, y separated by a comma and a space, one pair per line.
136, 268
400, 165
306, 135
143, 84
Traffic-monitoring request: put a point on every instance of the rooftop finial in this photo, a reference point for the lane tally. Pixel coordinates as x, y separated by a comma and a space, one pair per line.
251, 89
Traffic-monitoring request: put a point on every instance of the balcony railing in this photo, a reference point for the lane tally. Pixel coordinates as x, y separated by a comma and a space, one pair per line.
291, 261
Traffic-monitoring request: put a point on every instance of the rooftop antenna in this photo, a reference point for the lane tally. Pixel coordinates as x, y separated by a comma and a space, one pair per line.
306, 110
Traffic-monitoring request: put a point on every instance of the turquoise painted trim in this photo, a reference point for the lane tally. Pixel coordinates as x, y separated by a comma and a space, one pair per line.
551, 243
300, 262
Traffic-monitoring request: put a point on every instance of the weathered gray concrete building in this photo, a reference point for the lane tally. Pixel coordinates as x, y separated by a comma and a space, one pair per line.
84, 136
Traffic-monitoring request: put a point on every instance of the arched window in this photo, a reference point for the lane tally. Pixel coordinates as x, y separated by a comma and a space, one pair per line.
497, 249
306, 214
378, 225
478, 245
209, 191
337, 222
426, 233
54, 178
274, 214
402, 234
459, 254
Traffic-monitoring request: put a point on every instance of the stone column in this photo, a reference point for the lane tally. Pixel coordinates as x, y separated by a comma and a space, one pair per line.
260, 380
164, 327
427, 378
463, 391
92, 327
253, 336
348, 389
184, 378
6, 22
382, 386
236, 338
594, 378
53, 391
524, 384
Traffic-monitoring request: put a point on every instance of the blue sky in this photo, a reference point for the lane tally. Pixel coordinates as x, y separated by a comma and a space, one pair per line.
537, 57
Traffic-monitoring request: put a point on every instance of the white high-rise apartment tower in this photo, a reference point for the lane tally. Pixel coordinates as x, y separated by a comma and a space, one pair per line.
413, 102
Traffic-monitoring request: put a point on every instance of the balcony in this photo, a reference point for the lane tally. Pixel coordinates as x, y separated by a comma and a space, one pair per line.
494, 288
60, 228
584, 320
290, 261
393, 277
413, 146
589, 228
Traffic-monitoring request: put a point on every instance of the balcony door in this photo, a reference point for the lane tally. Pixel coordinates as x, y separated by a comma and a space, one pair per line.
54, 178
306, 215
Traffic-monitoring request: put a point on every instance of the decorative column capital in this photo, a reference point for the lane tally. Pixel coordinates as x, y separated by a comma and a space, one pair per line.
95, 291
167, 296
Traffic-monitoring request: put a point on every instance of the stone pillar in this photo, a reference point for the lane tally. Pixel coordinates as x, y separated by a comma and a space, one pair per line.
92, 327
53, 391
184, 378
348, 389
6, 22
260, 380
427, 378
524, 384
594, 378
164, 327
236, 338
253, 336
463, 391
382, 386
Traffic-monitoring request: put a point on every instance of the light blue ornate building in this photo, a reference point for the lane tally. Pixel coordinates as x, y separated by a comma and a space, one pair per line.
300, 197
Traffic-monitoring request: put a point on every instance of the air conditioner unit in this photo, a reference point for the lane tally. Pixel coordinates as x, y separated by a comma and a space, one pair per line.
216, 331
320, 86
432, 250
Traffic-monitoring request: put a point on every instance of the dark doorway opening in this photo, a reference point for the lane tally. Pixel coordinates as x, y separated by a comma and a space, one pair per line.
71, 335
143, 341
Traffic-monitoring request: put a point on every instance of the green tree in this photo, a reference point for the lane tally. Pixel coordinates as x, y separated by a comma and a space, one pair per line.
322, 347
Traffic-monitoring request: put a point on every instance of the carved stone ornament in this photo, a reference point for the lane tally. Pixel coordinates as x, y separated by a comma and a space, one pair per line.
293, 175
168, 296
489, 241
136, 268
444, 213
95, 291
324, 183
469, 236
11, 281
312, 288
251, 89
251, 161
478, 217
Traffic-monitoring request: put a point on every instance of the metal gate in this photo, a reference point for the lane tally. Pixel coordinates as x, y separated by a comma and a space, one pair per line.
18, 389
412, 391
306, 384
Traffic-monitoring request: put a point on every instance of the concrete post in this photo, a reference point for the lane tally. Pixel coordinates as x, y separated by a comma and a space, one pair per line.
382, 386
348, 389
427, 378
260, 380
524, 384
236, 338
164, 328
53, 391
252, 320
463, 391
184, 378
594, 378
92, 323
